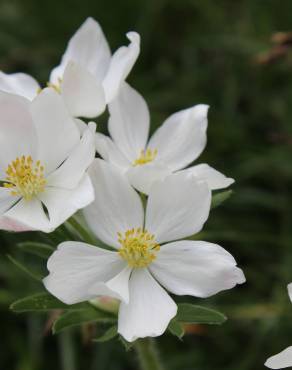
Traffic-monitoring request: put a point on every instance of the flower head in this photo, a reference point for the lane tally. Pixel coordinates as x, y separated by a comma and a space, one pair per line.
148, 259
43, 163
284, 358
177, 143
88, 76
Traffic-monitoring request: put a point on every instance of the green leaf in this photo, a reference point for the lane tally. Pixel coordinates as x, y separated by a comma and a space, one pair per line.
75, 318
111, 333
189, 313
176, 329
43, 302
38, 249
26, 269
219, 198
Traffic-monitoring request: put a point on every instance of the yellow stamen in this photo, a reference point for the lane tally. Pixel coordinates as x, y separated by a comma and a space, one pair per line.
56, 86
146, 156
25, 178
138, 247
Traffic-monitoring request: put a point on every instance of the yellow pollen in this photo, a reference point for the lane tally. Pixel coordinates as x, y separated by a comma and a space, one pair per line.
146, 156
25, 178
138, 247
55, 86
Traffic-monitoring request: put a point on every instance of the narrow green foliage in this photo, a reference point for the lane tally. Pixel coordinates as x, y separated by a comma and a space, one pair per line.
27, 269
79, 317
38, 249
189, 313
43, 302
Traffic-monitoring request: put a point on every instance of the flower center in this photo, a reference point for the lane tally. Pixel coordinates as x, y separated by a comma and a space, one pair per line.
146, 156
25, 178
138, 247
56, 86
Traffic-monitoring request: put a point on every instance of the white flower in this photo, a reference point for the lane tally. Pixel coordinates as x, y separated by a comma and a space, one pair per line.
88, 77
177, 143
284, 358
142, 265
43, 163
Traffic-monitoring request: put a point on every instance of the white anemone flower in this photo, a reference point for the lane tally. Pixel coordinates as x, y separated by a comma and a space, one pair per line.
148, 258
43, 162
284, 358
88, 76
176, 144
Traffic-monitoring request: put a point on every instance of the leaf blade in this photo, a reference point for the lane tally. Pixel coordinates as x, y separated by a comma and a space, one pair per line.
42, 302
189, 313
38, 249
79, 317
23, 268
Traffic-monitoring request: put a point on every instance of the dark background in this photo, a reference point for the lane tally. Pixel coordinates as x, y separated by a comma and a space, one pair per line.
227, 54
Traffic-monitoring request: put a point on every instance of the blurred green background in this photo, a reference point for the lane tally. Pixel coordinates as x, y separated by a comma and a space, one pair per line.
229, 55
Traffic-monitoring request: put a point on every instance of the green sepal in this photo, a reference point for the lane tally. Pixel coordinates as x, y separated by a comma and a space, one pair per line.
109, 334
176, 329
220, 198
128, 345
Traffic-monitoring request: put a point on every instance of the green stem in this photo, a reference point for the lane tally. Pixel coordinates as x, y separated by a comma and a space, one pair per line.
67, 353
86, 236
148, 354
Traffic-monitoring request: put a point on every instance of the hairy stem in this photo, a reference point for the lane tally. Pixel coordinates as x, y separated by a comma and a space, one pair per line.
148, 354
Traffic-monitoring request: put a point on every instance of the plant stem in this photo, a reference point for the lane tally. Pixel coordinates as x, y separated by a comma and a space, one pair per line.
68, 361
148, 354
86, 236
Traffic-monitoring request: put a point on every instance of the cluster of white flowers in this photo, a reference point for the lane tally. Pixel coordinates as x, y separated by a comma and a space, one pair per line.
49, 171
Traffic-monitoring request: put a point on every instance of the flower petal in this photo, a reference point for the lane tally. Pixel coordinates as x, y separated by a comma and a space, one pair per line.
215, 179
6, 199
120, 66
149, 310
177, 207
69, 174
55, 129
289, 287
195, 268
116, 208
82, 93
30, 214
17, 131
81, 125
9, 224
76, 267
89, 48
63, 203
19, 84
281, 360
108, 150
182, 137
119, 284
129, 122
143, 177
